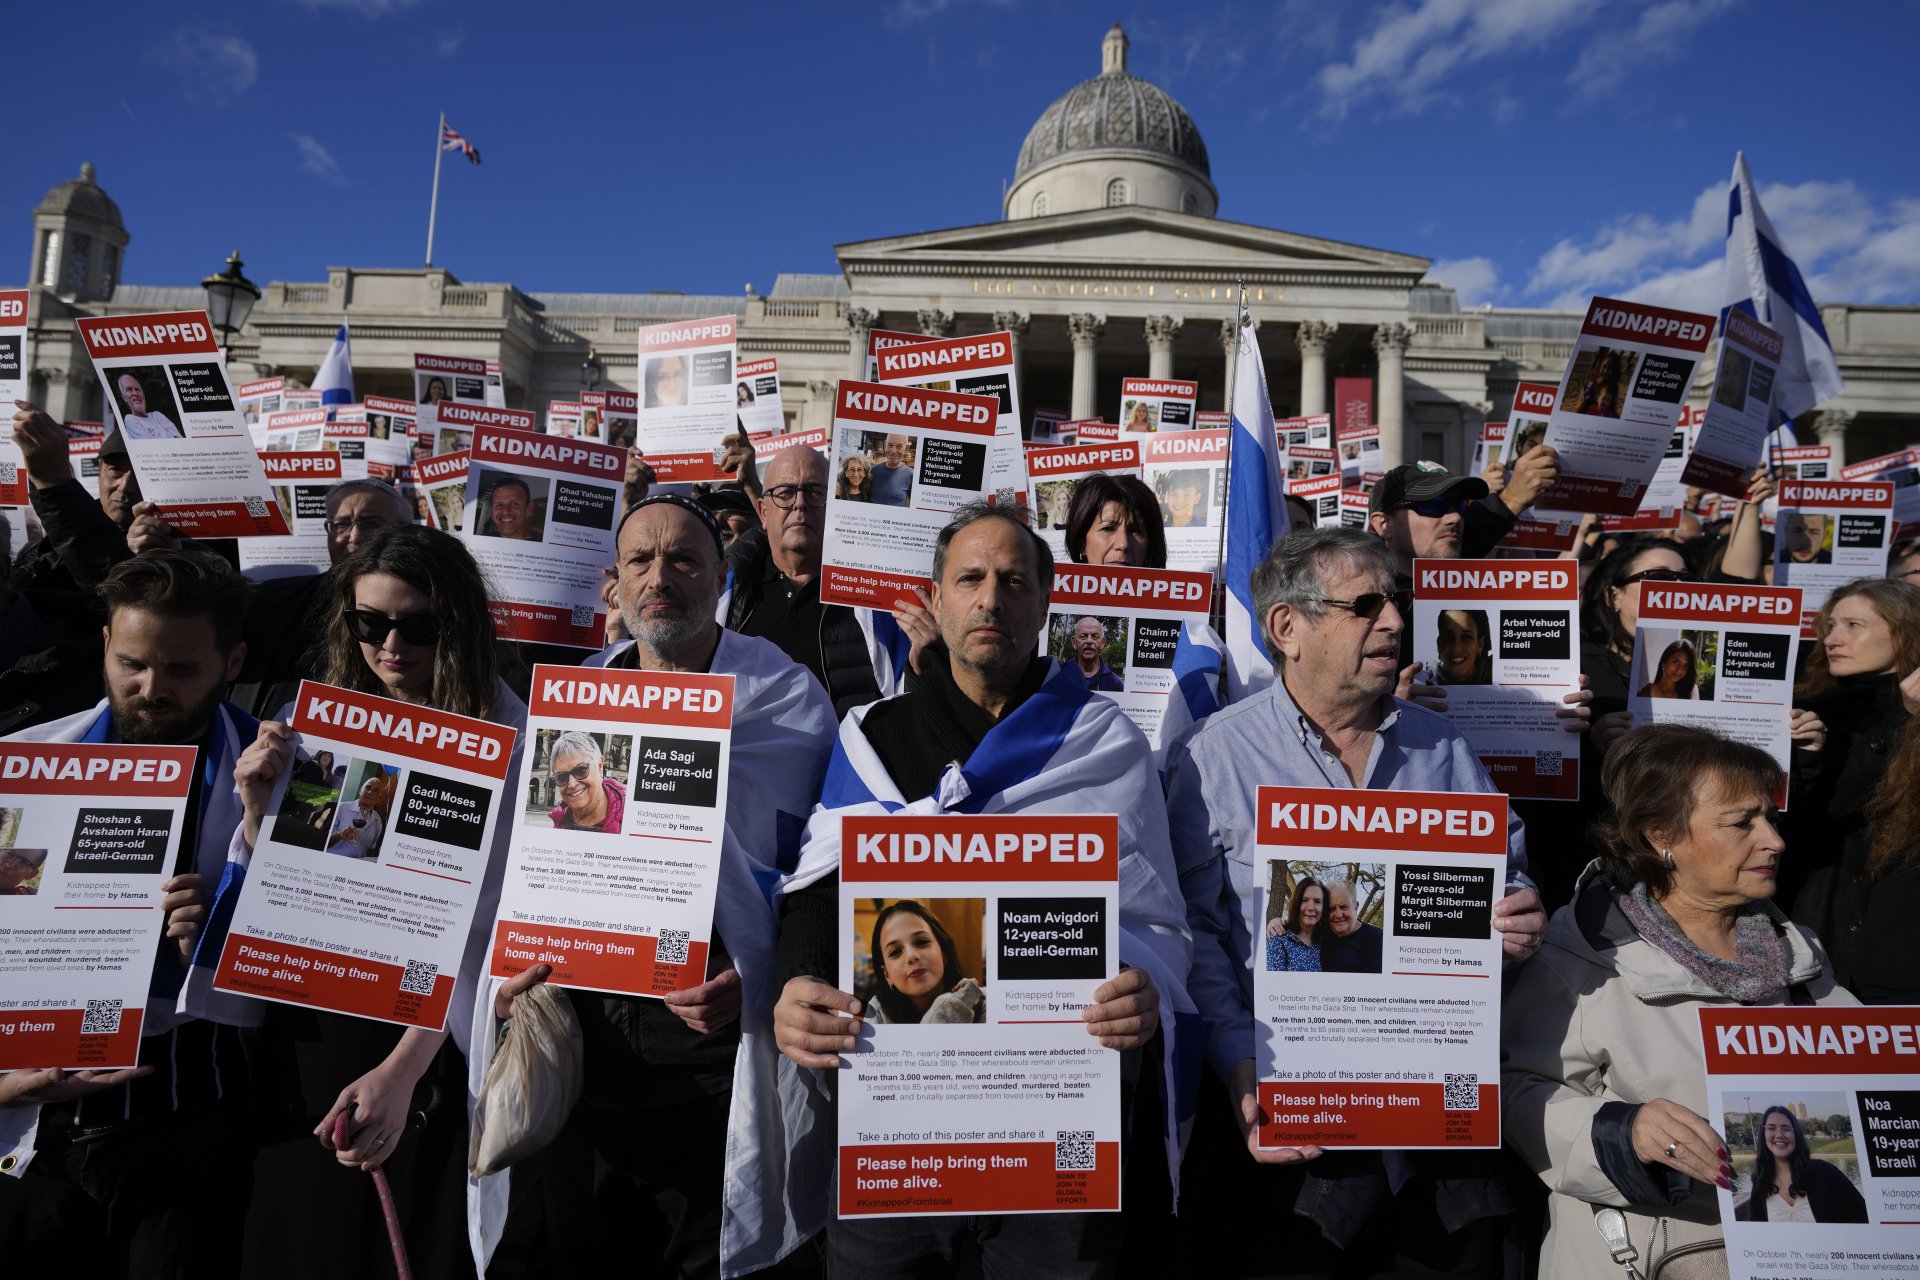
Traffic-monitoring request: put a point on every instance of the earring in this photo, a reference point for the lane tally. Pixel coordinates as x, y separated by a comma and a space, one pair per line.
1666, 856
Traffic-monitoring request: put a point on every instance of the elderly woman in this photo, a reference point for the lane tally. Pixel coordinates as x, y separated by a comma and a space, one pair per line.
1789, 1185
589, 799
1603, 1085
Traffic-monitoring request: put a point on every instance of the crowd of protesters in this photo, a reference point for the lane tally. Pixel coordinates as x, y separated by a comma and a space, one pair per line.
1672, 884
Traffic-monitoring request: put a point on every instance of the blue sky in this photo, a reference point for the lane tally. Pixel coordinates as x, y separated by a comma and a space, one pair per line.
1538, 150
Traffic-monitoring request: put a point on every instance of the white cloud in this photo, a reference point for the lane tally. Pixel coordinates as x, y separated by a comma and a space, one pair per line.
905, 13
1473, 280
448, 42
211, 66
1658, 35
1850, 246
317, 160
1410, 51
365, 8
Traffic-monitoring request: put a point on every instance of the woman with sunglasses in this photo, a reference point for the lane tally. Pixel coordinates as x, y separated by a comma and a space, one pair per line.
589, 799
408, 621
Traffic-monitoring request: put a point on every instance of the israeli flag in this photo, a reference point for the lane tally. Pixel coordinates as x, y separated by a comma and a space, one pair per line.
1256, 516
1764, 282
334, 381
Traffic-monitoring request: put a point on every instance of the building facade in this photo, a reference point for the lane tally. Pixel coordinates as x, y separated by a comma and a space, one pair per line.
1109, 263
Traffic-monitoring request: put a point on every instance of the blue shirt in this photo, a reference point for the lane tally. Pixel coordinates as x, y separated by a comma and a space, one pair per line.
1212, 773
890, 485
1287, 954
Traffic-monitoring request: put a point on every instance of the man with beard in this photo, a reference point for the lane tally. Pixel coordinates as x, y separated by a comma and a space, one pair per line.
678, 1126
151, 1165
1332, 619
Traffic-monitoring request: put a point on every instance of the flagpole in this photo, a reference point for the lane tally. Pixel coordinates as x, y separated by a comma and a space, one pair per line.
433, 208
1240, 319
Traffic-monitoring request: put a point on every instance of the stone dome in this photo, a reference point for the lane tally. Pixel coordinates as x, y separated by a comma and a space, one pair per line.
1114, 110
82, 198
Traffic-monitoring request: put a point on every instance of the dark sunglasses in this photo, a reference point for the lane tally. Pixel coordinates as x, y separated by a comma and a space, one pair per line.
578, 773
1434, 508
1368, 606
1659, 575
369, 627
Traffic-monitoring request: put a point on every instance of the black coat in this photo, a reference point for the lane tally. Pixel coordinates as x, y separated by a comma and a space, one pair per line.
1832, 1194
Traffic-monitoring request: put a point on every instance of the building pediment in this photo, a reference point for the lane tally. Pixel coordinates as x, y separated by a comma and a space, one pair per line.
1114, 240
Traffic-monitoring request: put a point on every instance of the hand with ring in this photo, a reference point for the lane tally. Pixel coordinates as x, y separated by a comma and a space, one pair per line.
1691, 1145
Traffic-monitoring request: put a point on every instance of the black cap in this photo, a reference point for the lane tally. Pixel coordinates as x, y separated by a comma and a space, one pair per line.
1419, 481
725, 499
114, 445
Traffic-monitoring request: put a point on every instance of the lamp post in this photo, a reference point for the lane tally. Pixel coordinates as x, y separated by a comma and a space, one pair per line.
230, 299
592, 369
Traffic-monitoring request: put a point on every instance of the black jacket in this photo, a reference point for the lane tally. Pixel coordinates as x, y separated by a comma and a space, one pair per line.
843, 667
58, 573
1831, 1192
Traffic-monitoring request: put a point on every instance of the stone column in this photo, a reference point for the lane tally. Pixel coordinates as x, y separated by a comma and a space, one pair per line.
1831, 426
935, 323
1015, 324
860, 322
819, 411
1390, 347
1084, 328
1311, 337
1160, 332
1229, 346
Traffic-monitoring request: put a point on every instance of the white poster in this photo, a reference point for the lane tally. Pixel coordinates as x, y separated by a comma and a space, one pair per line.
438, 379
1054, 471
1187, 471
1118, 628
1826, 533
977, 366
1733, 435
13, 386
687, 396
1157, 404
301, 482
756, 395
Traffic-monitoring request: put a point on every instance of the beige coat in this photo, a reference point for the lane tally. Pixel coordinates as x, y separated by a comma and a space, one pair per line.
1599, 1016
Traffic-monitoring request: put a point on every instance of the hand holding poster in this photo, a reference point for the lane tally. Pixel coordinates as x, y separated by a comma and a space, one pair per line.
1619, 402
539, 517
1826, 534
1820, 1110
1157, 404
166, 386
1376, 985
616, 851
1739, 415
88, 834
361, 891
687, 397
905, 460
1719, 656
978, 1091
1501, 637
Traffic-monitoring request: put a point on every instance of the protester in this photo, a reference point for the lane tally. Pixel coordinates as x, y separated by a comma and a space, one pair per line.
908, 943
732, 510
776, 589
1115, 520
678, 1128
1425, 511
1293, 940
983, 694
405, 616
1886, 963
1862, 687
84, 536
1331, 618
1603, 1088
93, 1160
1789, 1185
45, 672
1903, 561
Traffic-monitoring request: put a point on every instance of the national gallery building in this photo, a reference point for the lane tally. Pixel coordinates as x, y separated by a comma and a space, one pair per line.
1108, 262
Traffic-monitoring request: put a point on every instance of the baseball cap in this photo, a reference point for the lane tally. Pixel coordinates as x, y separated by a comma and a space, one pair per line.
114, 445
724, 499
1419, 481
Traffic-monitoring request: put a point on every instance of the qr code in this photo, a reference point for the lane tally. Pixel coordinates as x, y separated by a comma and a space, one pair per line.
102, 1018
256, 507
1546, 764
583, 615
419, 977
672, 947
9, 473
1463, 1093
1073, 1150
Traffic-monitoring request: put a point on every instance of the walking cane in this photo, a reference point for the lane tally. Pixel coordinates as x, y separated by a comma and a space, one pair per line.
401, 1268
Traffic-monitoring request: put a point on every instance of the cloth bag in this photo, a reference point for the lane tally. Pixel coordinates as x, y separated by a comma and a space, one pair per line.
531, 1084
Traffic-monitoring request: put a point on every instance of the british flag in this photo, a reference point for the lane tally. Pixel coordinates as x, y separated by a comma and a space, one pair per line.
452, 139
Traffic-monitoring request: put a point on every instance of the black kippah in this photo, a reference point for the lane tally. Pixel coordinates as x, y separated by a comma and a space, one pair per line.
687, 505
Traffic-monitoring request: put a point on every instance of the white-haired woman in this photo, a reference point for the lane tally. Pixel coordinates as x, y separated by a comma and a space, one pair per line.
589, 799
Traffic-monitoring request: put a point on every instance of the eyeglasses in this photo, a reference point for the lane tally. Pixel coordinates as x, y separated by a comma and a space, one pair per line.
365, 524
1368, 605
578, 773
1659, 575
1435, 508
788, 496
371, 628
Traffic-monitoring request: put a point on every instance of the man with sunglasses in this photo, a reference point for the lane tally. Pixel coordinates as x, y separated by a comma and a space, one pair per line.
151, 1165
1332, 617
679, 1113
776, 584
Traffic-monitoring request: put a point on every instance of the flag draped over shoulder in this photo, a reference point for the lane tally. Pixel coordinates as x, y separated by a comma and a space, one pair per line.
1764, 282
334, 380
1063, 750
1256, 516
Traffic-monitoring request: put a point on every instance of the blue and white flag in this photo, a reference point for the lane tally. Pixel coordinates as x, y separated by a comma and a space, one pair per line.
1764, 282
1256, 516
334, 381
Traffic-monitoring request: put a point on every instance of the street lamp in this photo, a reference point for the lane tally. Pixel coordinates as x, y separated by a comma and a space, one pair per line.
230, 299
592, 369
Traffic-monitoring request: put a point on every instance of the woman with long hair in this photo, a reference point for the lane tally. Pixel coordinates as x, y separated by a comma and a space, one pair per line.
1789, 1185
407, 619
1293, 940
1862, 685
1115, 520
1887, 964
1676, 674
916, 971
